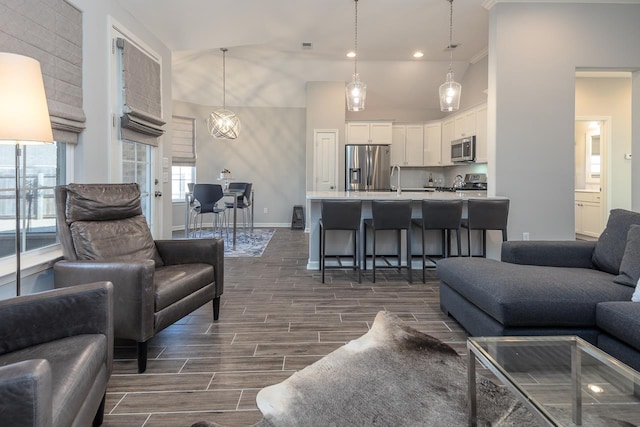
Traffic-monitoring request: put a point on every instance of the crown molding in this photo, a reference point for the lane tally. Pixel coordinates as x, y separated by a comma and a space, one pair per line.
478, 56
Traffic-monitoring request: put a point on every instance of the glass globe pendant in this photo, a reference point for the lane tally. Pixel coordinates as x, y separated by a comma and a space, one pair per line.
450, 90
356, 91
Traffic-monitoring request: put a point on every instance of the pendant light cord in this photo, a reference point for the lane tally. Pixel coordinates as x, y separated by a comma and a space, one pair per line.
224, 77
450, 34
356, 40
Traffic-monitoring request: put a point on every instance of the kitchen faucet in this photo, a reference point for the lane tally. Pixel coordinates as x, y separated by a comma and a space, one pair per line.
398, 189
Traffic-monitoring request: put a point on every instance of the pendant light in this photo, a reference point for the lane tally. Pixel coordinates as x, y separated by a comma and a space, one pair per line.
356, 91
450, 90
223, 123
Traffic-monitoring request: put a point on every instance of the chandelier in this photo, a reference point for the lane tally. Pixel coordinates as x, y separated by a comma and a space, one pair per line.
223, 123
450, 90
356, 91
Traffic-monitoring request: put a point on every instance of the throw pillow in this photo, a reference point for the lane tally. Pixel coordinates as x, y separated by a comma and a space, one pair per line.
122, 240
610, 247
636, 294
630, 265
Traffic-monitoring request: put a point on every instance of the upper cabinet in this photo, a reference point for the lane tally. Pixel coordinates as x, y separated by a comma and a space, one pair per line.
425, 144
407, 145
448, 135
432, 153
481, 134
369, 133
465, 124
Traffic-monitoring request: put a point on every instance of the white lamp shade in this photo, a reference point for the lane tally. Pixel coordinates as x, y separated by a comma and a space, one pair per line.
24, 115
450, 92
356, 93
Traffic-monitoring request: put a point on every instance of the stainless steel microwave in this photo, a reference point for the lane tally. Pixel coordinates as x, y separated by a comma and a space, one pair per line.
463, 149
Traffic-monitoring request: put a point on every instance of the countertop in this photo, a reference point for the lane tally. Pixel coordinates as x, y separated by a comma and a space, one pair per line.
392, 195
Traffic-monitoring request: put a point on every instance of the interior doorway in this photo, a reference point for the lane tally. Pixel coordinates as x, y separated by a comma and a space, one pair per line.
602, 164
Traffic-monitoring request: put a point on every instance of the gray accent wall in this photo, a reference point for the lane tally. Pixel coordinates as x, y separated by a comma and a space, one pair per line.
270, 152
534, 51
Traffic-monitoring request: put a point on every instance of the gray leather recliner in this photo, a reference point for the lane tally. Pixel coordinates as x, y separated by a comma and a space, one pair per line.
104, 236
56, 354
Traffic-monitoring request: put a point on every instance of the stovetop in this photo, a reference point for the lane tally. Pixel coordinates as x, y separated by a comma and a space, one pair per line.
467, 186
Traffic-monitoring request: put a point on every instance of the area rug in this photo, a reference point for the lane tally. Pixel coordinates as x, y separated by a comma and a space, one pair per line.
248, 244
392, 376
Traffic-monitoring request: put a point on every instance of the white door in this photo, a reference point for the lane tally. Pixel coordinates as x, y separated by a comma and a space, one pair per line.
325, 156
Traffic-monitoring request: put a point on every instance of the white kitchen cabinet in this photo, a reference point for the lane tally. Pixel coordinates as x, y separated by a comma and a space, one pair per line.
447, 137
407, 145
589, 221
481, 134
369, 133
465, 124
432, 144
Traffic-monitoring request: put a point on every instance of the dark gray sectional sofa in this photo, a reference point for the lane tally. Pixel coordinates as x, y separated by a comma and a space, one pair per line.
554, 288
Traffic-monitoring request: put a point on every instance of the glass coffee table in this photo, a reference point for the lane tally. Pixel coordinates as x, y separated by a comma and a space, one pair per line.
562, 380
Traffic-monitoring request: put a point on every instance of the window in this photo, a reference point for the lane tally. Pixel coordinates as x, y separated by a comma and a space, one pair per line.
180, 177
42, 167
136, 167
183, 156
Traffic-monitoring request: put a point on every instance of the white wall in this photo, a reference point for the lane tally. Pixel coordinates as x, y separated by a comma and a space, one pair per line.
534, 50
270, 153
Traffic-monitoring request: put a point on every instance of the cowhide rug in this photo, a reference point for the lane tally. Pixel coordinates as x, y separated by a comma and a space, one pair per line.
393, 375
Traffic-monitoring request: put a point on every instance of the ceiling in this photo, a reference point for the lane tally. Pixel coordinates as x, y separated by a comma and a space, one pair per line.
268, 67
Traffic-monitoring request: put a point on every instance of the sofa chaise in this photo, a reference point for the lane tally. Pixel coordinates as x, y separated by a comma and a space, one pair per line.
554, 288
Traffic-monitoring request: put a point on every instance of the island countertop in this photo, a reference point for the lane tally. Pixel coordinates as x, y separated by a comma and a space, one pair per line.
392, 195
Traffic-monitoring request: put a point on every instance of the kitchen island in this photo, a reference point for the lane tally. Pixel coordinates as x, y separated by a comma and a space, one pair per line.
341, 244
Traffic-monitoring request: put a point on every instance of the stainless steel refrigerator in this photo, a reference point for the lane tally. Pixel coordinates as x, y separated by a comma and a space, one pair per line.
367, 167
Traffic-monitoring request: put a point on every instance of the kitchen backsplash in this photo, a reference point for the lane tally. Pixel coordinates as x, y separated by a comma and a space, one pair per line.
416, 177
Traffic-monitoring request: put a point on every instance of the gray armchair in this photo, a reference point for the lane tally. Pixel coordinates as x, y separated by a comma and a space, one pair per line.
56, 353
104, 236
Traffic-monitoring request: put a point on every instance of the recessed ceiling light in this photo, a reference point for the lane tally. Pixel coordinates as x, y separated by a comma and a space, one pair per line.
595, 388
351, 54
418, 54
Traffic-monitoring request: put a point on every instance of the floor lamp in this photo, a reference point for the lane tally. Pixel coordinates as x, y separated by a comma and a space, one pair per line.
24, 117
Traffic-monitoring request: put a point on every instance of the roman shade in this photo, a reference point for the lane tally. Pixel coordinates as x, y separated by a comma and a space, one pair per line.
141, 119
56, 41
183, 142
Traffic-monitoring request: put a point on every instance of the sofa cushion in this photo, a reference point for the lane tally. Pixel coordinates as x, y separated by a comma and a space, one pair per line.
125, 239
532, 296
610, 247
175, 282
630, 265
621, 320
75, 363
102, 202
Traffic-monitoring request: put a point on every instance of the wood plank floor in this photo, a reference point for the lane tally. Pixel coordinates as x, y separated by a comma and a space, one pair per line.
276, 318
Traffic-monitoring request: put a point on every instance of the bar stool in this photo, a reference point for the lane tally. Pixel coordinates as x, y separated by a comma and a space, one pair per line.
340, 215
486, 215
389, 215
443, 215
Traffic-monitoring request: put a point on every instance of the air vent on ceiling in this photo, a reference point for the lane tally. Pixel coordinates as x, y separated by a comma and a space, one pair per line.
307, 45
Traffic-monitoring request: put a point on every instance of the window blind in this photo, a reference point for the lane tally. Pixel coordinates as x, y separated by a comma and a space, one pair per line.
183, 142
51, 32
141, 120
